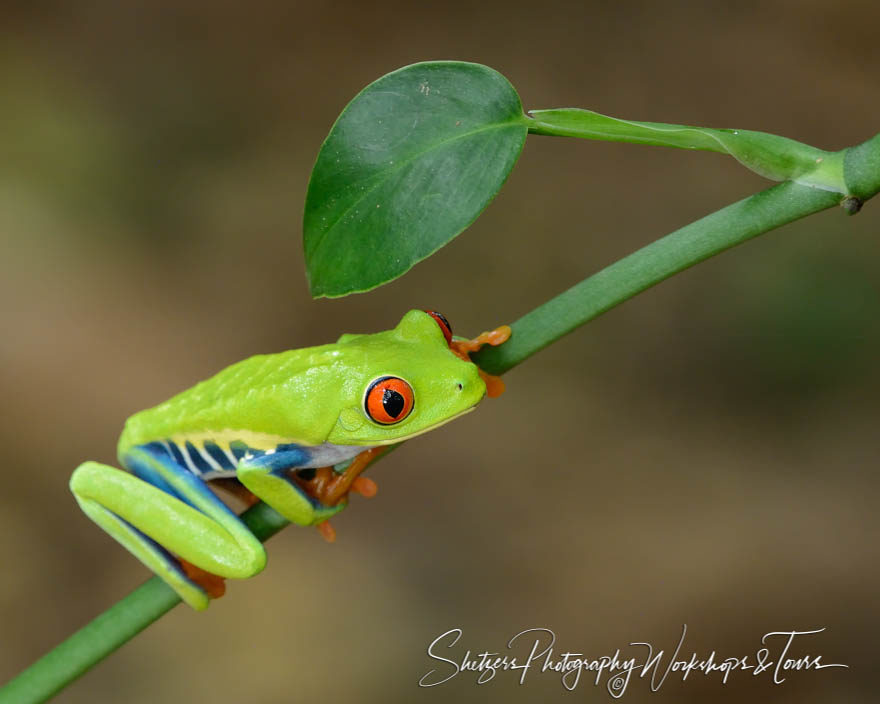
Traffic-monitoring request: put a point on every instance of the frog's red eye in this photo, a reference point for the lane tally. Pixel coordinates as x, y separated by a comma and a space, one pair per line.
443, 323
389, 399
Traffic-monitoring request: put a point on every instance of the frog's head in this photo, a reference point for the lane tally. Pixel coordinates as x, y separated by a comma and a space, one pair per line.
402, 382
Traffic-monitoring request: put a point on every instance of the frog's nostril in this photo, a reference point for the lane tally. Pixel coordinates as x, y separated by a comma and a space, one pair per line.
459, 386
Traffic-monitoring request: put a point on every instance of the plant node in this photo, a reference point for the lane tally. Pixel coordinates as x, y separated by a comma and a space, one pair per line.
851, 205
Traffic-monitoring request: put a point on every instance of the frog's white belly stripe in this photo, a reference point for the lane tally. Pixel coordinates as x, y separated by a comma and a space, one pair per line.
328, 454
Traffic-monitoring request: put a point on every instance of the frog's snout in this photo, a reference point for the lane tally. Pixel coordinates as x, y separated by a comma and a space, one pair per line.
469, 386
465, 392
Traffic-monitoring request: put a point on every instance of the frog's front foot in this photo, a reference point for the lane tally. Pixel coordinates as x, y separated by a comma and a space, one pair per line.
331, 488
464, 348
363, 486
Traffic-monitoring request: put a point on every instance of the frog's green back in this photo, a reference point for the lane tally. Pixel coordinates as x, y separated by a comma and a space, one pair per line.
298, 396
252, 395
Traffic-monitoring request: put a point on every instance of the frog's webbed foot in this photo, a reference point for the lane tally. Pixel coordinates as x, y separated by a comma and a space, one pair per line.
331, 487
463, 349
363, 486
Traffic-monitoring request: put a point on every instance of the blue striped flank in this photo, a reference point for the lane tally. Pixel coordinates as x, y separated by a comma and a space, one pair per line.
218, 455
200, 462
177, 454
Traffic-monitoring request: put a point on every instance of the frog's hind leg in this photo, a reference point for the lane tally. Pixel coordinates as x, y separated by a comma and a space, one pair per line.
91, 480
183, 517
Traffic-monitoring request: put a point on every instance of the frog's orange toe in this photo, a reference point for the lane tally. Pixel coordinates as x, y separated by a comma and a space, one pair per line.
494, 384
463, 348
498, 336
327, 531
365, 487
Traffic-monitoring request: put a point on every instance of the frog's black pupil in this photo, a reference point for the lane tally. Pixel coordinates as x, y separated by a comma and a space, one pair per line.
306, 474
392, 402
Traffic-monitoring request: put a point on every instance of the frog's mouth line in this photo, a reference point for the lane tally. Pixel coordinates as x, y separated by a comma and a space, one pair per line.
394, 441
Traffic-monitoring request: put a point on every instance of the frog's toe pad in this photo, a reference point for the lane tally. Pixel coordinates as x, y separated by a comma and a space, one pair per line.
365, 487
327, 531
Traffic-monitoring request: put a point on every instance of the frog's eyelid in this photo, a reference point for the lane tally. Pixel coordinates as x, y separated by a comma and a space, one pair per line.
443, 323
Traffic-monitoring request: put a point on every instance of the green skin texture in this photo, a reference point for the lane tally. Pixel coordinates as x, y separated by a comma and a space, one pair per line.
310, 397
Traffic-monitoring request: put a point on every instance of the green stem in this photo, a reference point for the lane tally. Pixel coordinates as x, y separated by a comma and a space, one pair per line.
610, 287
650, 265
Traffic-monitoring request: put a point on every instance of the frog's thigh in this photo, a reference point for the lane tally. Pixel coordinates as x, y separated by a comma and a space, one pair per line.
215, 538
267, 477
137, 513
86, 484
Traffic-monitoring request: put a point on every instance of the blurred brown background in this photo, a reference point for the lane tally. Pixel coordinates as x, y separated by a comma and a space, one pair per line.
705, 454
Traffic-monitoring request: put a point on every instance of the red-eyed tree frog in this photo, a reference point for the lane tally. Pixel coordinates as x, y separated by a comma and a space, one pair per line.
294, 429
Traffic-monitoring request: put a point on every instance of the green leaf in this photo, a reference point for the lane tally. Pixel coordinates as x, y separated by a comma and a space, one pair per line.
410, 163
771, 156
